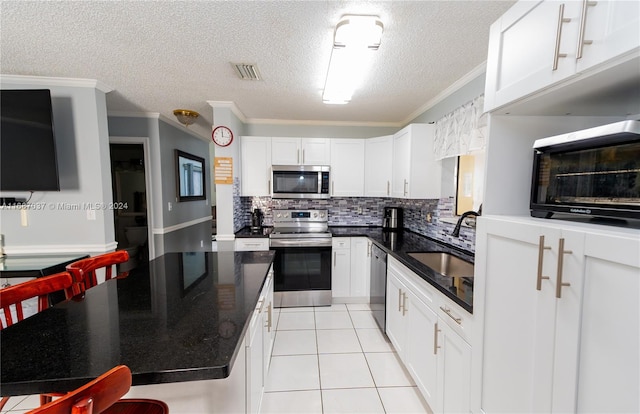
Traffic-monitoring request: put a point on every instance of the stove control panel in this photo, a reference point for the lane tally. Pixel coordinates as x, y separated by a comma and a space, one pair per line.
300, 216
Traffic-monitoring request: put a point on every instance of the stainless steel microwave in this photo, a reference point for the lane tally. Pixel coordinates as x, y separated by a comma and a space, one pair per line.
300, 181
593, 172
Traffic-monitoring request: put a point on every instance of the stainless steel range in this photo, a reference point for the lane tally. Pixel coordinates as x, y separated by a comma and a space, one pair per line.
302, 265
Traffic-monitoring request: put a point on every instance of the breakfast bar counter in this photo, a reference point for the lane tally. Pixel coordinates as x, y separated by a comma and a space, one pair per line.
182, 318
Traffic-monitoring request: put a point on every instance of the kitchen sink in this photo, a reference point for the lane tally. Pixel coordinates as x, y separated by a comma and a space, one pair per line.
445, 263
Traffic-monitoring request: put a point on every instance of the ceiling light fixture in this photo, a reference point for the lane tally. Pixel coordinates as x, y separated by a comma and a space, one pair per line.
354, 40
186, 116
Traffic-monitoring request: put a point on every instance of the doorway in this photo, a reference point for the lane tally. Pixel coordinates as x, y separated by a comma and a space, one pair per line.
129, 186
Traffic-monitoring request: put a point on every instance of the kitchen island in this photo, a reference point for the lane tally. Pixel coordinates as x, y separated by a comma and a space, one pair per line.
183, 318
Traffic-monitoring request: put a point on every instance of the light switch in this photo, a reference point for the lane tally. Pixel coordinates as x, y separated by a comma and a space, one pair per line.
24, 219
169, 205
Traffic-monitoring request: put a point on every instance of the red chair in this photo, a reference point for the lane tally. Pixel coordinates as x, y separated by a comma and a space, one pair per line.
102, 395
13, 296
40, 288
84, 271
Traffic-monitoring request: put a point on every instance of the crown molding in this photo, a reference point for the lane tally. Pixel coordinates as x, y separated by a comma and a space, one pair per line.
322, 123
231, 106
53, 81
455, 86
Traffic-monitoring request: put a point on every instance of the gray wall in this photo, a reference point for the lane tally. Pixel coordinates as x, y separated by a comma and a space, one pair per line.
82, 147
171, 228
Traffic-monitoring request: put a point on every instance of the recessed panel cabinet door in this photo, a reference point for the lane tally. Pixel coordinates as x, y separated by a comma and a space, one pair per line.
422, 347
609, 360
454, 367
525, 49
518, 340
611, 28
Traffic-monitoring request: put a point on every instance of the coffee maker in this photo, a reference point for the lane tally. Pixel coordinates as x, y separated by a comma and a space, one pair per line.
392, 219
256, 220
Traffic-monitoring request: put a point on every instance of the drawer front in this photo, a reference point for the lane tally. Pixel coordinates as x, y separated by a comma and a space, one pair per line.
341, 242
457, 318
251, 244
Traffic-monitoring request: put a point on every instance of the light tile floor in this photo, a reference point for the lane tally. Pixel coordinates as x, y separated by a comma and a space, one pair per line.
334, 359
330, 359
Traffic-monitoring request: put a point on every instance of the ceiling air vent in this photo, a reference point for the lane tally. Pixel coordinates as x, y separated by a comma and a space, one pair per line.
247, 71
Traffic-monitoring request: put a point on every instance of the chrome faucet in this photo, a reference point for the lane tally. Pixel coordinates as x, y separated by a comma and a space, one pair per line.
456, 229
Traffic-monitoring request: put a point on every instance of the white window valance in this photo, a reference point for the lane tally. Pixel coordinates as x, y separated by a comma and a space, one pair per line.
462, 131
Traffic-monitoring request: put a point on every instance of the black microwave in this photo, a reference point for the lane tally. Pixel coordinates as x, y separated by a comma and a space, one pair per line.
300, 181
593, 172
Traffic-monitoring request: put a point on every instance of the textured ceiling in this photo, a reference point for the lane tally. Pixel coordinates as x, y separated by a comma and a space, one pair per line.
162, 55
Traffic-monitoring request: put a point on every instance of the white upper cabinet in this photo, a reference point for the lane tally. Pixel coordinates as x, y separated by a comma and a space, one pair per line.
612, 28
347, 167
377, 166
415, 171
256, 166
538, 44
300, 151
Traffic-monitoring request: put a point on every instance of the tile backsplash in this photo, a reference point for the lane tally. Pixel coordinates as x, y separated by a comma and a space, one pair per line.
367, 211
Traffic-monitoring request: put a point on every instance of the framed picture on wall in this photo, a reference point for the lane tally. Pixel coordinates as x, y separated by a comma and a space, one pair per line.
190, 172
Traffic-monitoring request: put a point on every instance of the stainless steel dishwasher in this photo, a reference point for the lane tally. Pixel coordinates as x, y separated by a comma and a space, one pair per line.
377, 300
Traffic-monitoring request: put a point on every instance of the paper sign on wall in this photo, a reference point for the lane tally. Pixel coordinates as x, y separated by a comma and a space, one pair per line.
223, 170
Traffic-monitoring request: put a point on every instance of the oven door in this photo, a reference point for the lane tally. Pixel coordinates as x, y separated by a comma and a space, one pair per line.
302, 275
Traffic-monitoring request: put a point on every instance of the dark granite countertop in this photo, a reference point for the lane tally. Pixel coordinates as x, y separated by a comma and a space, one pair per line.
246, 232
400, 244
181, 319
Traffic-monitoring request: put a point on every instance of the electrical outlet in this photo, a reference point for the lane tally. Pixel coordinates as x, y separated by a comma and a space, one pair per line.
169, 205
201, 243
24, 219
91, 214
429, 217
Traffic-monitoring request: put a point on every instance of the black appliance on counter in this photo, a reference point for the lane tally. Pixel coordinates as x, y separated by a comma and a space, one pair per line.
302, 263
593, 172
256, 220
392, 219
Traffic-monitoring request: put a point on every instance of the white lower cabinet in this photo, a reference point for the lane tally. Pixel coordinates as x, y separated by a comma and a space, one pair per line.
561, 317
436, 356
351, 269
259, 344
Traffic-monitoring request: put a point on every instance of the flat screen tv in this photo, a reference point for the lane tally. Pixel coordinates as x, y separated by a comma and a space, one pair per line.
27, 142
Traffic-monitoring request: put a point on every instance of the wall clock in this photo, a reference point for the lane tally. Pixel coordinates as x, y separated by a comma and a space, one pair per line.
222, 136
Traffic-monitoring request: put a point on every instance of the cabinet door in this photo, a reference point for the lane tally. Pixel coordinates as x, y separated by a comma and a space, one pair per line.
400, 165
609, 377
341, 268
421, 347
254, 363
268, 325
522, 50
256, 166
315, 151
612, 28
378, 157
285, 151
454, 371
519, 319
396, 323
347, 167
360, 267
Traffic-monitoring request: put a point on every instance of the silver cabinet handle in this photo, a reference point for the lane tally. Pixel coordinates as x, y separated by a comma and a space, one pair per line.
404, 189
303, 155
298, 157
448, 312
557, 55
541, 249
399, 300
435, 339
404, 303
561, 253
388, 187
583, 22
334, 259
